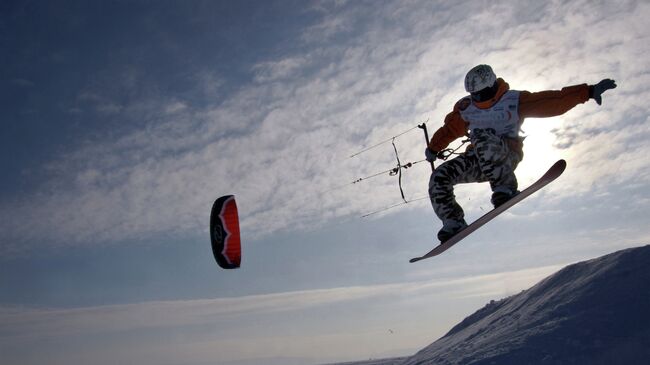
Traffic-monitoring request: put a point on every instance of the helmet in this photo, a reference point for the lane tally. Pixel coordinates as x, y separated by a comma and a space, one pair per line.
479, 78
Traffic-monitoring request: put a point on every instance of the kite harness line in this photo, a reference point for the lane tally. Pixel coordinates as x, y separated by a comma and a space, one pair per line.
397, 170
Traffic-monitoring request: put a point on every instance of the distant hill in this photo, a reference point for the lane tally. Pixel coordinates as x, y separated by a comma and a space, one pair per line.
592, 312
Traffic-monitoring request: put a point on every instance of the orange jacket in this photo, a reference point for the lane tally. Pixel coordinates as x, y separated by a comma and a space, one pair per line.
541, 104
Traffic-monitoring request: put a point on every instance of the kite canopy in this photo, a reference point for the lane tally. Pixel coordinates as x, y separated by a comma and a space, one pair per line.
224, 232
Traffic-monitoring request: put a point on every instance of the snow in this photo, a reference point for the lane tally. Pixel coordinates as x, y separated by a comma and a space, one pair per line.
592, 312
375, 362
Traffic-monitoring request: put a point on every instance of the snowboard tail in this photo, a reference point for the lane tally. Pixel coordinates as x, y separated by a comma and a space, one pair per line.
553, 173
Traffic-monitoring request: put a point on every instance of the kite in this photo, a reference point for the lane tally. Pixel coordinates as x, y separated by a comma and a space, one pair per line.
224, 232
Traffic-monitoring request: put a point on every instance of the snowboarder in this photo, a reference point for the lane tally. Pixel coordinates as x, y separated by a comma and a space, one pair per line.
492, 114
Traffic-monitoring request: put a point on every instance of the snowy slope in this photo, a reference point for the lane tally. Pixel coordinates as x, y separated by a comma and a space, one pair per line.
592, 312
394, 361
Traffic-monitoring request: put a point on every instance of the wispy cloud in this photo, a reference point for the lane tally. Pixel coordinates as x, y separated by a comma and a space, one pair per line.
228, 321
280, 142
283, 69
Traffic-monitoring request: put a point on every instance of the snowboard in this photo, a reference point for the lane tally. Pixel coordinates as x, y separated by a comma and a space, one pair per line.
553, 173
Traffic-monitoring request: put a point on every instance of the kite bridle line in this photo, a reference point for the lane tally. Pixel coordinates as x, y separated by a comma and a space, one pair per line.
443, 155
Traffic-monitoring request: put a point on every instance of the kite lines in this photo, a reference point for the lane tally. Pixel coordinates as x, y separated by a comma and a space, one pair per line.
395, 171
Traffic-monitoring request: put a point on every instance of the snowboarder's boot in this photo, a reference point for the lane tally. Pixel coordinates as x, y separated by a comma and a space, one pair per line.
450, 229
500, 197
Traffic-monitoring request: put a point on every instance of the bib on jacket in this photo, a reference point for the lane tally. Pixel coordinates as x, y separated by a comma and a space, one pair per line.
502, 117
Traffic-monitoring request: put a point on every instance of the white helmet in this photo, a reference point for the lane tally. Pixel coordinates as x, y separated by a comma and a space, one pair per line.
479, 78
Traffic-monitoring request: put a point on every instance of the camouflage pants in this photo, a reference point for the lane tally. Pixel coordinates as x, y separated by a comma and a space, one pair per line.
491, 160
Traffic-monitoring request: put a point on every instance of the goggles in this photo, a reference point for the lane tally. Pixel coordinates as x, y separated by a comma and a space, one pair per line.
485, 94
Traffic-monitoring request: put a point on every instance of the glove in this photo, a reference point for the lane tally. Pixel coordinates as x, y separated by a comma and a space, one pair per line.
595, 91
430, 155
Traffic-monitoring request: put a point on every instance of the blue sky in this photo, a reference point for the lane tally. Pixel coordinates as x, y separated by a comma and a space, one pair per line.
123, 121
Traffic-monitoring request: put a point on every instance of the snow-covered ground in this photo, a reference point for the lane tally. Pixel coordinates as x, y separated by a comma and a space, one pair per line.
394, 361
592, 312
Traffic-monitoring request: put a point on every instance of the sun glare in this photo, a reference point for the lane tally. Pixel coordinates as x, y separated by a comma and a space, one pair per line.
539, 153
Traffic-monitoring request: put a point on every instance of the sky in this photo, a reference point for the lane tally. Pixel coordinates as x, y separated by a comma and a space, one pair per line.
123, 121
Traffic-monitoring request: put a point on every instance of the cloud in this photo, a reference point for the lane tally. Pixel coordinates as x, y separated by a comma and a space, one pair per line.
226, 327
362, 74
283, 69
130, 317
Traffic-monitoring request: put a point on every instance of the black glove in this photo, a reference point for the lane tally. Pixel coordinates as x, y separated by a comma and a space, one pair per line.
430, 155
595, 91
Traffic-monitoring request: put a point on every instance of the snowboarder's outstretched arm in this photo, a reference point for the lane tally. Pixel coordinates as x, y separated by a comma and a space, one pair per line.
551, 103
557, 102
